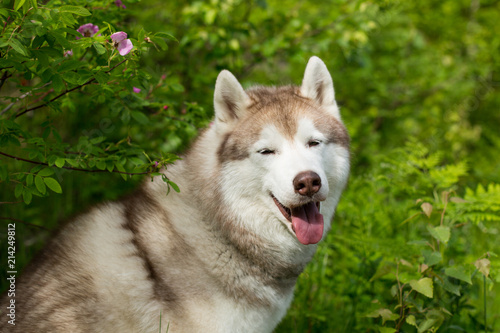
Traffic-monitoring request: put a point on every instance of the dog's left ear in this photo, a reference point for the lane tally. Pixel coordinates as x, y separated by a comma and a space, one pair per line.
318, 85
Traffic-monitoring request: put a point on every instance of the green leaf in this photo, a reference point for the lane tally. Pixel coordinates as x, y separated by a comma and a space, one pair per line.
452, 288
52, 160
73, 163
101, 165
60, 162
77, 10
386, 329
441, 233
47, 75
56, 135
120, 168
160, 42
177, 87
136, 160
40, 185
433, 319
101, 77
27, 196
99, 48
426, 324
410, 320
140, 117
18, 4
432, 258
4, 13
174, 186
97, 140
53, 184
458, 272
46, 172
29, 179
110, 166
166, 35
61, 40
71, 77
58, 83
424, 286
385, 314
18, 47
70, 31
156, 174
19, 190
125, 117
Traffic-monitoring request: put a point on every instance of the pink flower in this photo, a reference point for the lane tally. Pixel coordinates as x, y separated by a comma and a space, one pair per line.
121, 43
136, 90
68, 53
165, 107
87, 30
119, 3
156, 164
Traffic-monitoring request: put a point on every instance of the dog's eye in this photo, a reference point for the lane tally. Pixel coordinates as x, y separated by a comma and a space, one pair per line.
266, 151
313, 143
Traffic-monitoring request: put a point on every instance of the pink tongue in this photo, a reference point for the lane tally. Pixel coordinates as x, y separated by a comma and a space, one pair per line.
307, 223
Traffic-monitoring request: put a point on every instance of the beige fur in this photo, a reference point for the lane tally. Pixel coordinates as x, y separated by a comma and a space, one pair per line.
217, 257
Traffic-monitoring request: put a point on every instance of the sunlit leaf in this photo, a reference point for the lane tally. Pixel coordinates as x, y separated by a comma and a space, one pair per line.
423, 286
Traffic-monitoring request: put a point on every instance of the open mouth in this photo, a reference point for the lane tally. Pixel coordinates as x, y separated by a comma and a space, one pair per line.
307, 222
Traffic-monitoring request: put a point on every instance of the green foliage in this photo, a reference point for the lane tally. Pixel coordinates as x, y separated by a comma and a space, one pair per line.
413, 247
408, 253
47, 63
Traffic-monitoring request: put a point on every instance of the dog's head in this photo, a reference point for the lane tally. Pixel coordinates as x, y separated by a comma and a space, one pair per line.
283, 152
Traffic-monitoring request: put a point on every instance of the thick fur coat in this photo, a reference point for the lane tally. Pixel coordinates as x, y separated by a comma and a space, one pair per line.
258, 190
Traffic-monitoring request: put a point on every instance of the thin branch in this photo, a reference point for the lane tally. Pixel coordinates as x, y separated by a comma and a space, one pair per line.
53, 99
5, 76
23, 222
67, 91
5, 25
27, 94
77, 169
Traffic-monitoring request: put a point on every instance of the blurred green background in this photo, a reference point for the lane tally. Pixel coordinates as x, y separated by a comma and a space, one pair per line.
418, 87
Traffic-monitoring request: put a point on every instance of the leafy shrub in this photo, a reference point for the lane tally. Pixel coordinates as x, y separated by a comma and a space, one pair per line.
49, 64
405, 255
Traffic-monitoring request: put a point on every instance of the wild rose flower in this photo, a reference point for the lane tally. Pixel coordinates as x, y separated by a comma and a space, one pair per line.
119, 3
121, 43
88, 30
136, 90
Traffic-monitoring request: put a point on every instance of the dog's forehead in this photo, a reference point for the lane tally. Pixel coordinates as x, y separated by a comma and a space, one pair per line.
281, 111
289, 113
279, 107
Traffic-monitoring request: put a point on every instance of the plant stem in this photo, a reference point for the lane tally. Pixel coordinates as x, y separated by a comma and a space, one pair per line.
23, 222
484, 296
77, 169
67, 91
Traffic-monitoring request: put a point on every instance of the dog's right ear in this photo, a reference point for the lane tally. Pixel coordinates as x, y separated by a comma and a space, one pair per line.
230, 101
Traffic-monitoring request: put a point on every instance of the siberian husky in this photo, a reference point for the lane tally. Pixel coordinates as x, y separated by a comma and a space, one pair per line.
258, 191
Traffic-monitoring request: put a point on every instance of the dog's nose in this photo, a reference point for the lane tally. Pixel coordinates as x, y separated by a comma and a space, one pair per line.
307, 183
